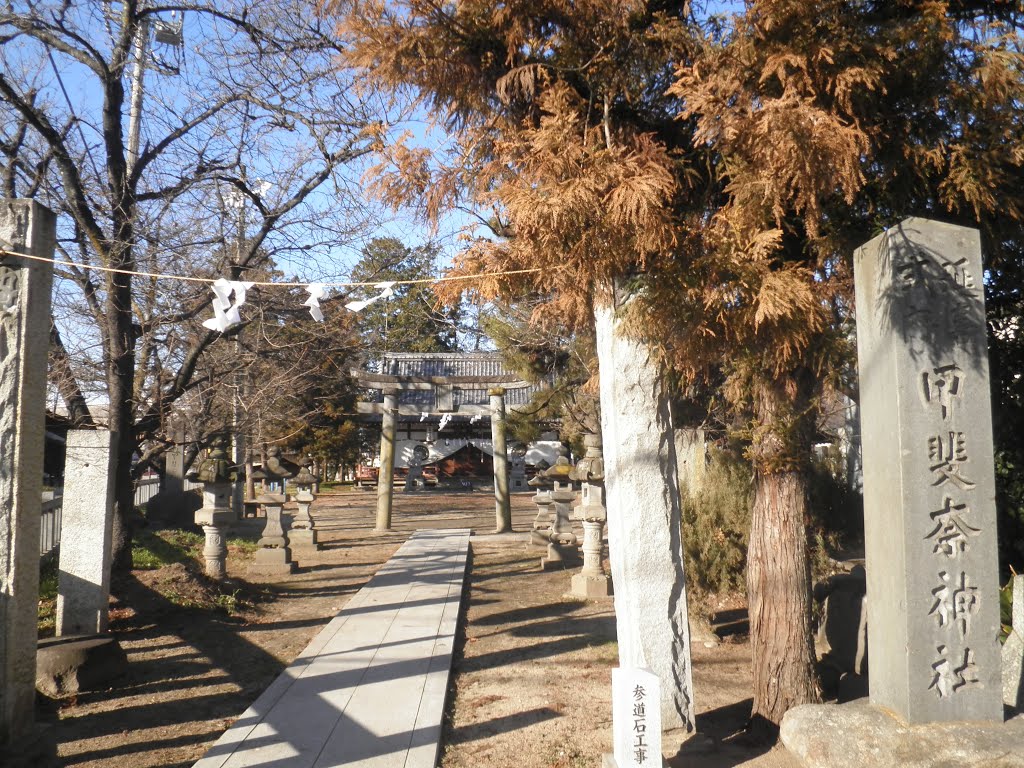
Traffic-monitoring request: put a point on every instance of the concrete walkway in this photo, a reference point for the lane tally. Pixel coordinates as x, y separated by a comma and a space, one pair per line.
369, 690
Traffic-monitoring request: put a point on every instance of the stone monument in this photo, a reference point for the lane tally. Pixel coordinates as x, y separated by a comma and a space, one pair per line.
929, 493
87, 519
644, 511
25, 228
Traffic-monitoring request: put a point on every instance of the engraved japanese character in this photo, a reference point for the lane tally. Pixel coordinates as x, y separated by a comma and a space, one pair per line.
639, 709
959, 273
955, 602
953, 672
9, 290
947, 451
639, 693
951, 532
940, 385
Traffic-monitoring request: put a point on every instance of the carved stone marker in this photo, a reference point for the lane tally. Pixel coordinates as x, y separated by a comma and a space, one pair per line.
25, 227
636, 719
87, 518
644, 515
930, 528
1013, 650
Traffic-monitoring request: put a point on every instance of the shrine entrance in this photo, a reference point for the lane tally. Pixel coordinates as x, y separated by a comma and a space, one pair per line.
424, 394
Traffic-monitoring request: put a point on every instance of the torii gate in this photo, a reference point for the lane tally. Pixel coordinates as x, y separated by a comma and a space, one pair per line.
442, 386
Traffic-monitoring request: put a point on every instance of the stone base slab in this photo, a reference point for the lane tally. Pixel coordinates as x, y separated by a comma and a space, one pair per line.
272, 562
302, 538
860, 734
590, 587
70, 664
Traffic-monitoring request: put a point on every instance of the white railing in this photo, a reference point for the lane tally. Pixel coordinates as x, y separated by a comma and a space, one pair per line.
49, 524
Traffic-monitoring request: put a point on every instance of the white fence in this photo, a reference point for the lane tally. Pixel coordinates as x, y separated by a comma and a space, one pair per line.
49, 524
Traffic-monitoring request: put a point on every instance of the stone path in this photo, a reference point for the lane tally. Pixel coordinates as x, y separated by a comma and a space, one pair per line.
369, 690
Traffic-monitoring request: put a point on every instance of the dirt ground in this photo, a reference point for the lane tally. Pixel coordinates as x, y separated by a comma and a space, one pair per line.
531, 681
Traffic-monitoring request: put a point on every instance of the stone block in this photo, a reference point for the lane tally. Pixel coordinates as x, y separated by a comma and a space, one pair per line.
929, 511
841, 641
86, 523
1013, 671
274, 561
860, 734
68, 665
590, 587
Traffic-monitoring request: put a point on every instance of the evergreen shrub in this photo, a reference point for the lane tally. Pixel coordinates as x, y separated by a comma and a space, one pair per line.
716, 526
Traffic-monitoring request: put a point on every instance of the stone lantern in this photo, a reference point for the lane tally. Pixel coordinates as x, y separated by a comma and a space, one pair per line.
303, 533
592, 581
542, 498
274, 557
216, 475
562, 542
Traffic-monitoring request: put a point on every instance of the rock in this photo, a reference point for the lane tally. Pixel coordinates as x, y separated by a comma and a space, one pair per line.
1013, 671
860, 734
72, 663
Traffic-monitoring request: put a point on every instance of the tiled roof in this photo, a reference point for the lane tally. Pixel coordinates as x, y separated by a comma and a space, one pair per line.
451, 364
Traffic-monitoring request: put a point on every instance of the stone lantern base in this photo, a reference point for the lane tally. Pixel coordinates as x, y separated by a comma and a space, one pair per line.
590, 587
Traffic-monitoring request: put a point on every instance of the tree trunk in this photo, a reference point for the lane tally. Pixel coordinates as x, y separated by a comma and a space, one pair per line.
778, 571
779, 597
120, 387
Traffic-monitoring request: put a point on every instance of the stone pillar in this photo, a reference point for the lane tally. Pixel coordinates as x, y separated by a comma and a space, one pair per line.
174, 465
87, 518
691, 460
25, 227
502, 504
385, 477
644, 515
592, 581
929, 490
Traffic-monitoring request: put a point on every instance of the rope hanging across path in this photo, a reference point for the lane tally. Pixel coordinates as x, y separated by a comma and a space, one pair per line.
225, 312
211, 280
